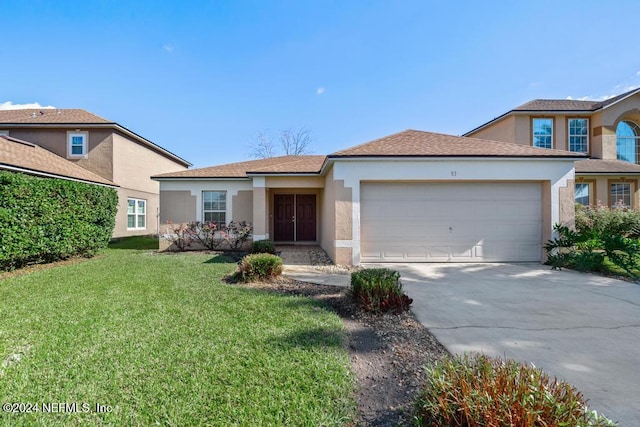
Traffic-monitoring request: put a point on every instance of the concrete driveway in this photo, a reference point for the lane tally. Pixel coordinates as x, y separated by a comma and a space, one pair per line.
579, 327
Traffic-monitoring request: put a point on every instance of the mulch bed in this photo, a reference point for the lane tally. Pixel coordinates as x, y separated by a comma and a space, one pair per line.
388, 353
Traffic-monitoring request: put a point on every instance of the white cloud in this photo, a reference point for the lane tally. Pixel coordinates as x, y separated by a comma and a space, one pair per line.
11, 106
168, 47
615, 91
320, 91
590, 98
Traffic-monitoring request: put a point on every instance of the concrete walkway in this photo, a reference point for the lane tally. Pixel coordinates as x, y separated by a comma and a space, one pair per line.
319, 276
582, 328
311, 264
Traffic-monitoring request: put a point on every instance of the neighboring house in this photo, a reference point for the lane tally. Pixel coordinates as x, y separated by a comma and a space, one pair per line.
107, 149
21, 156
608, 131
411, 196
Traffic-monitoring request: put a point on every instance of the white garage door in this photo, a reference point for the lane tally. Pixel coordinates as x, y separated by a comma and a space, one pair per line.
450, 222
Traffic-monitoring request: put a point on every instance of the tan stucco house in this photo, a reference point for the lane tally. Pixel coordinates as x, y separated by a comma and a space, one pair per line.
104, 148
608, 131
25, 157
411, 196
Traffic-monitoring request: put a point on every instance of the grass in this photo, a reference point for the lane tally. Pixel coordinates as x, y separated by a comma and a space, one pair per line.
160, 340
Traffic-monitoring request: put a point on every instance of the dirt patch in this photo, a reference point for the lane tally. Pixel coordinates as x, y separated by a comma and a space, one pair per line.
388, 353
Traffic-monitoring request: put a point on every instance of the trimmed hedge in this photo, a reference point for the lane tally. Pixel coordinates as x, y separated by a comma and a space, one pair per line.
263, 247
260, 267
379, 290
45, 219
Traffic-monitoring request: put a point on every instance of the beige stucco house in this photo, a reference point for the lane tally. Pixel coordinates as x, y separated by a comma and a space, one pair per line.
608, 131
25, 157
412, 196
106, 149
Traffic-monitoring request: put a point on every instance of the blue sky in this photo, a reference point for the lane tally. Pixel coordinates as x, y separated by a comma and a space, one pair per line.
201, 78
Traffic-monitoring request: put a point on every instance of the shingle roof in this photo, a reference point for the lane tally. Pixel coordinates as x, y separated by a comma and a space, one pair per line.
413, 143
570, 104
598, 166
272, 165
556, 105
75, 116
51, 116
30, 158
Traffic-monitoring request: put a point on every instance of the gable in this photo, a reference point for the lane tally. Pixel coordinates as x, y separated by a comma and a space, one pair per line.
62, 120
26, 157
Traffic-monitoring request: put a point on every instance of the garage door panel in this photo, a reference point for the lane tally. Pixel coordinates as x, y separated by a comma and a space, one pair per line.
455, 222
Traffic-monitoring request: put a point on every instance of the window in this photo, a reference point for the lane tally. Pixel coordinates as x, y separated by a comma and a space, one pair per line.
77, 144
583, 191
627, 138
579, 135
136, 214
543, 133
214, 206
4, 132
620, 195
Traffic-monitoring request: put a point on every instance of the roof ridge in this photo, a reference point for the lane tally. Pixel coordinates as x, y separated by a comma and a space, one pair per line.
374, 140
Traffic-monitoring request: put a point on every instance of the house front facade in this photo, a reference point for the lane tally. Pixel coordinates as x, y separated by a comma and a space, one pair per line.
107, 149
607, 131
412, 196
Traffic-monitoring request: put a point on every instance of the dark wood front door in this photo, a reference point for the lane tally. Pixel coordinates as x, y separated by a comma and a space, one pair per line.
306, 217
283, 218
294, 213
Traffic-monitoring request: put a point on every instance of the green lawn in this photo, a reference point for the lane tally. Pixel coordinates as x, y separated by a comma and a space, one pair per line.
160, 340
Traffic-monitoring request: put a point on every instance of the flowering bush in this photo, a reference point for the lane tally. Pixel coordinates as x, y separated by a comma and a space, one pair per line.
211, 235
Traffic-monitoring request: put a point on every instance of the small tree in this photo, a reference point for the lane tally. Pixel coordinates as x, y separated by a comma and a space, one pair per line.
289, 142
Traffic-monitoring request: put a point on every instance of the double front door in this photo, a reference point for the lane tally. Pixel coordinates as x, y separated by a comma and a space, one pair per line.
294, 218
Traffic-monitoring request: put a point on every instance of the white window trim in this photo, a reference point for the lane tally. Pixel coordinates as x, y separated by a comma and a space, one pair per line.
226, 204
613, 203
136, 214
569, 133
533, 131
85, 144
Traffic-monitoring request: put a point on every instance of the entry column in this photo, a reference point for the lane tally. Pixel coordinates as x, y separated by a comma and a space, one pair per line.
260, 228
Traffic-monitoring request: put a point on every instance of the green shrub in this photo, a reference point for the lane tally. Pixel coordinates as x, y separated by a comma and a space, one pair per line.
260, 267
263, 247
603, 237
604, 220
475, 390
45, 219
379, 290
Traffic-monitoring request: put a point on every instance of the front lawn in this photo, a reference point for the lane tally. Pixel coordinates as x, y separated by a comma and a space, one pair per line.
158, 339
